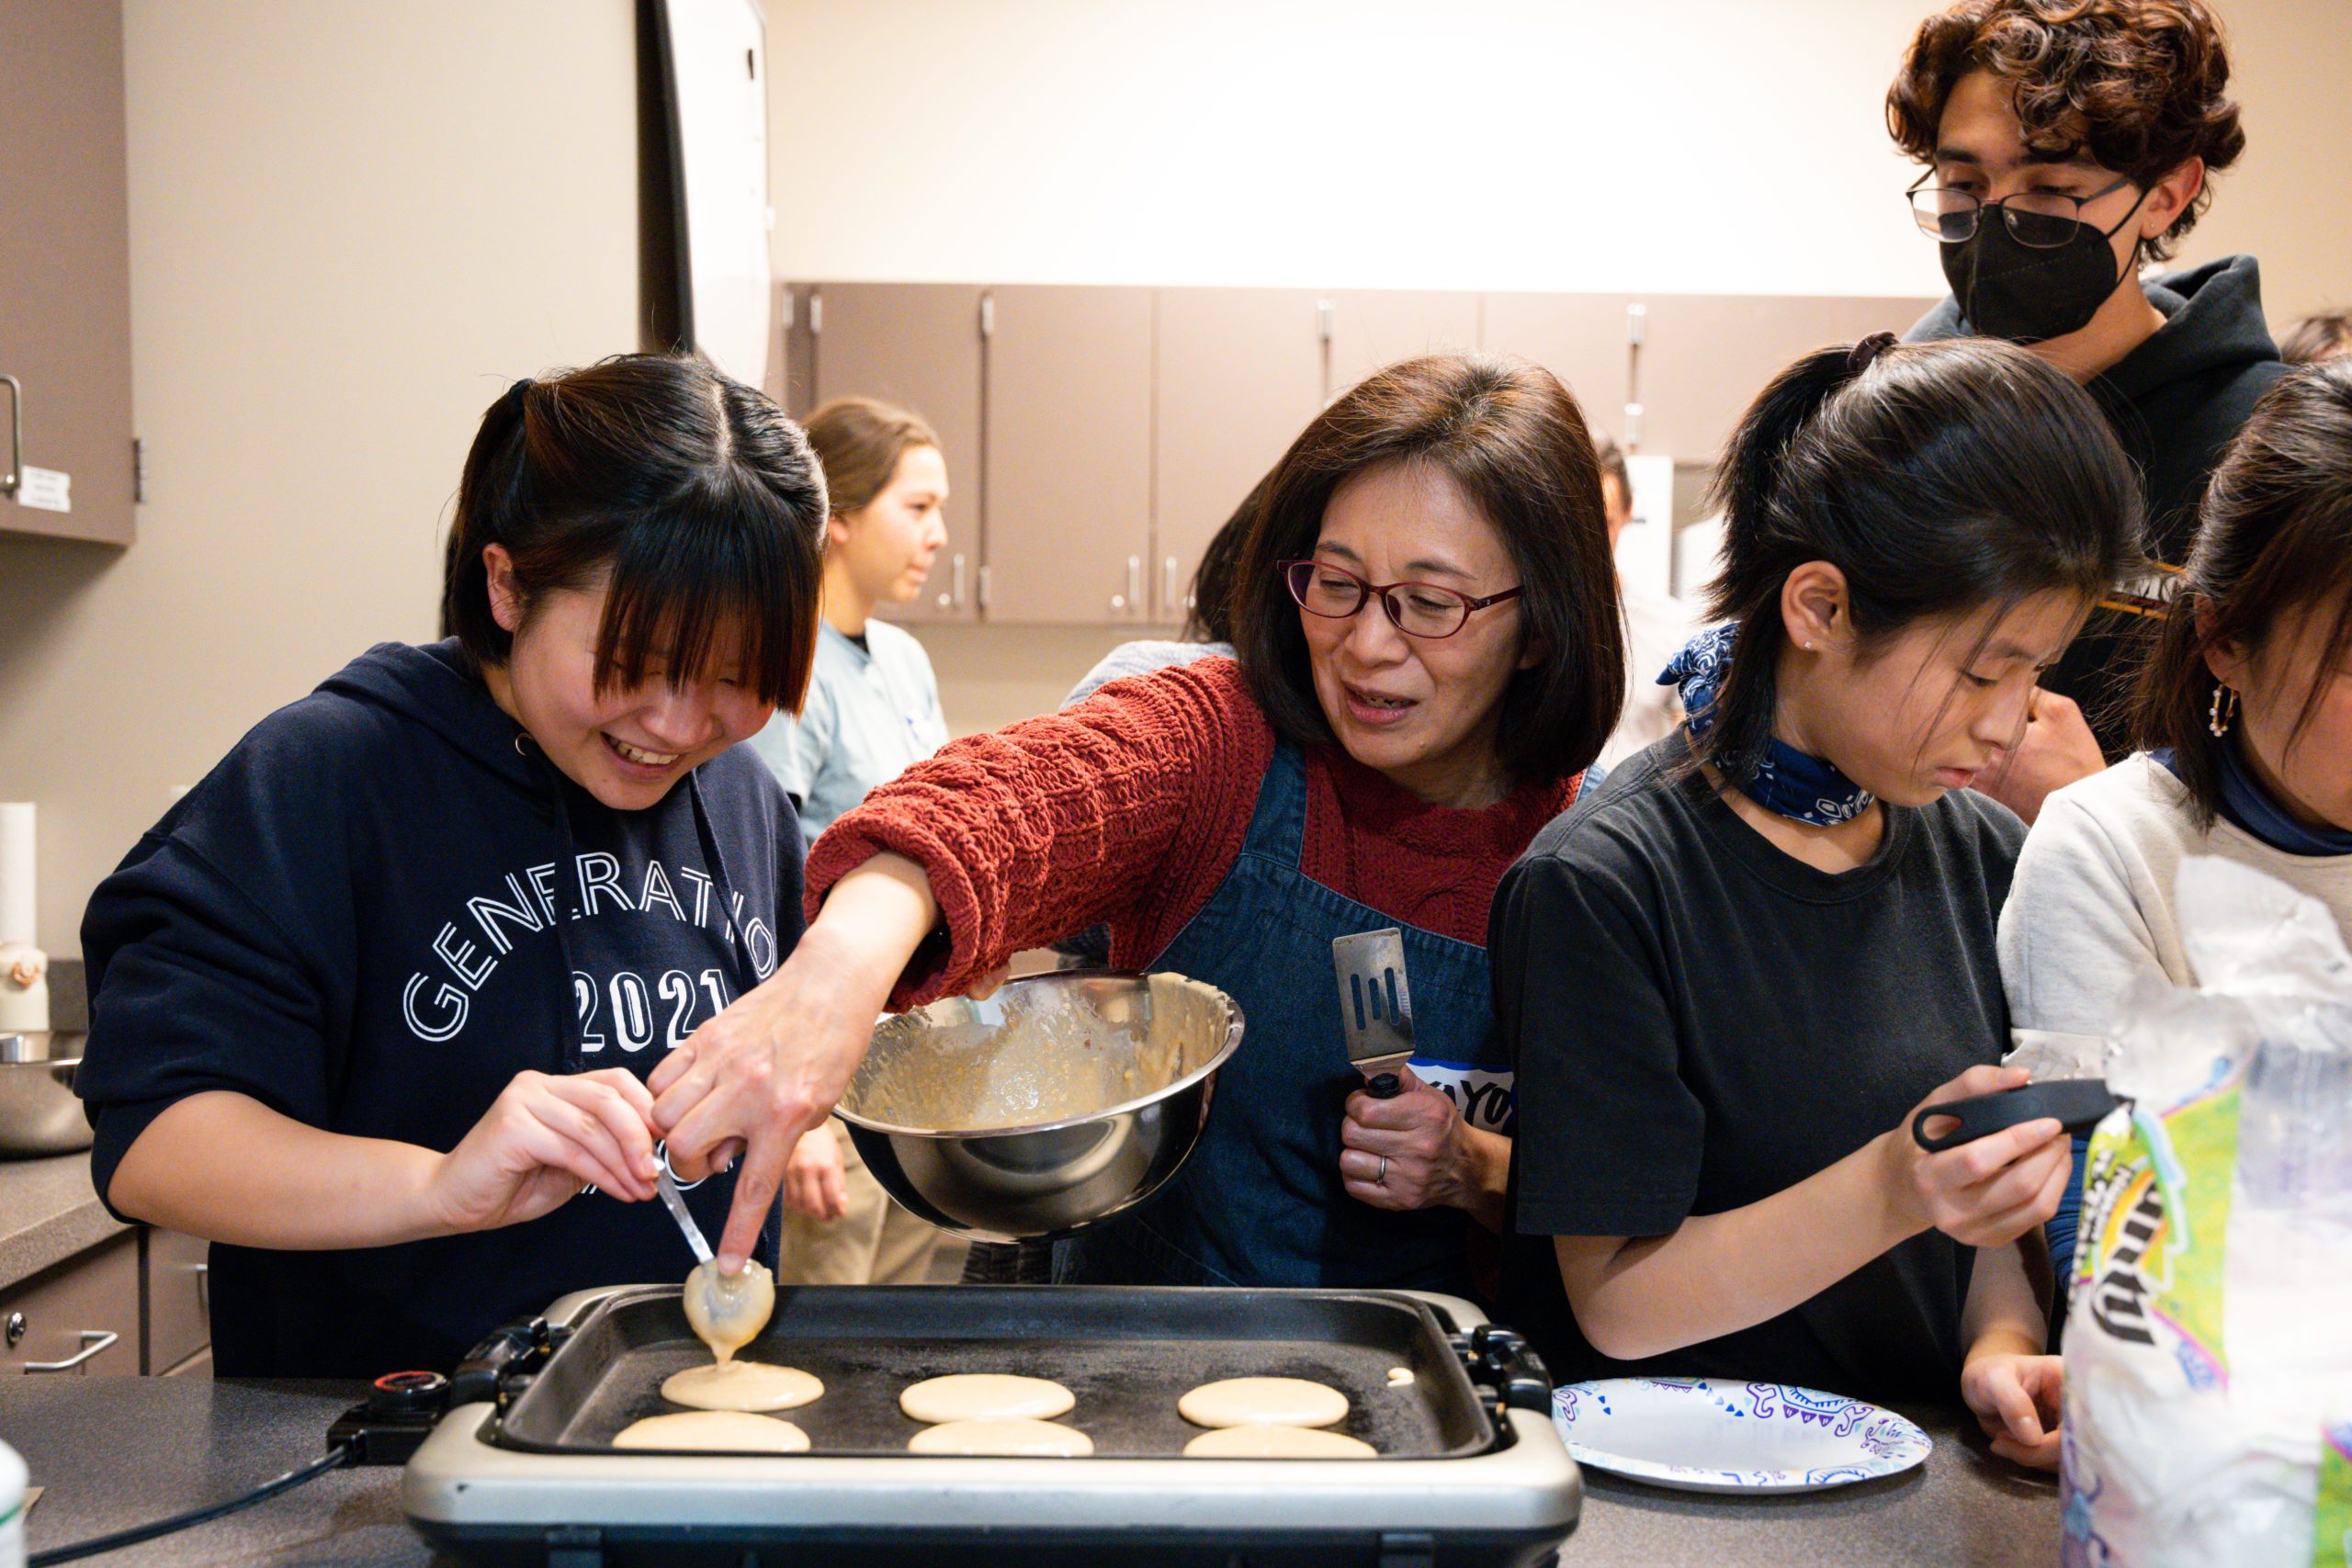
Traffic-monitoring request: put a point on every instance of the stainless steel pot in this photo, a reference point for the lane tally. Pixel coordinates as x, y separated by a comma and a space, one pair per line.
1058, 1102
39, 1114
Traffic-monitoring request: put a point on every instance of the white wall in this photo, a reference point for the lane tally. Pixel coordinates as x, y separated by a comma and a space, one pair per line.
1707, 146
351, 225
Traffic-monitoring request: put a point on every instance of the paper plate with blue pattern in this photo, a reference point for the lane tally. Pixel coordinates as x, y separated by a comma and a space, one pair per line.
1711, 1435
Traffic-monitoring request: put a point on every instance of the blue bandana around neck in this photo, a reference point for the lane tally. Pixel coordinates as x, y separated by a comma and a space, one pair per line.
1787, 782
2247, 804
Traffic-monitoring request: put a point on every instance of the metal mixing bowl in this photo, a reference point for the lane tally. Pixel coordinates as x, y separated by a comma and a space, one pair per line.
1057, 1102
39, 1114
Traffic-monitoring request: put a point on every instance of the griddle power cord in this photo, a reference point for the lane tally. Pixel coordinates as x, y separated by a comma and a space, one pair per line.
334, 1459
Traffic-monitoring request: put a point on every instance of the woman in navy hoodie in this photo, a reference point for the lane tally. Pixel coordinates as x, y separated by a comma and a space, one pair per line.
375, 1003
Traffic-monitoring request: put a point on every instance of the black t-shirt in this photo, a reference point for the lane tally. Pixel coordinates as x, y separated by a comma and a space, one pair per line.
1701, 1020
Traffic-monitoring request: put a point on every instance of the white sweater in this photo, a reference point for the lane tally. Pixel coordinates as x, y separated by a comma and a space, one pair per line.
2091, 907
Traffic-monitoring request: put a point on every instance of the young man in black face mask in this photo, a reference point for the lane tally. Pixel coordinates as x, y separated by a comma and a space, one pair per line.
2066, 145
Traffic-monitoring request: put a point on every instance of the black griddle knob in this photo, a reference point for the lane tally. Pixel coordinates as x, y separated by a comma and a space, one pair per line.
1504, 1362
408, 1394
394, 1420
504, 1353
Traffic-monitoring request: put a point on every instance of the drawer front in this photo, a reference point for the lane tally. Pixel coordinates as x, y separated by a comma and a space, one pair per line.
62, 1318
179, 1299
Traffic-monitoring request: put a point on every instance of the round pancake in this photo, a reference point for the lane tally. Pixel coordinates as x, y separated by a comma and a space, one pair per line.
986, 1396
1264, 1402
1277, 1443
735, 1431
741, 1385
1040, 1439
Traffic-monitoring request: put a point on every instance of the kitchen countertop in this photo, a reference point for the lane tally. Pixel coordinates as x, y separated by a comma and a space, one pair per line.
49, 1212
116, 1451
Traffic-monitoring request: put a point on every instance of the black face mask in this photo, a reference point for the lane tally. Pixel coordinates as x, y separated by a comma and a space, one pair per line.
2028, 294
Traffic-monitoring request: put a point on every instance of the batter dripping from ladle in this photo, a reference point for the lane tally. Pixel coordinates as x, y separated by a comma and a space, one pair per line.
727, 1312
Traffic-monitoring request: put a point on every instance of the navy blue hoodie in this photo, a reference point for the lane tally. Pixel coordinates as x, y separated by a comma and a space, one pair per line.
380, 908
2175, 403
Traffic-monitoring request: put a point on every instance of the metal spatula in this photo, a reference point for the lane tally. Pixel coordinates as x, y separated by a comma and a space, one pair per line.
673, 1198
1375, 1005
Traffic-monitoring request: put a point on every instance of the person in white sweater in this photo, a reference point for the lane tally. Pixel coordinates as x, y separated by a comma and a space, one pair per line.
2245, 709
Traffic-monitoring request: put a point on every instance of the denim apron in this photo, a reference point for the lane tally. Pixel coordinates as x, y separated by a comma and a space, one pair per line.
1260, 1202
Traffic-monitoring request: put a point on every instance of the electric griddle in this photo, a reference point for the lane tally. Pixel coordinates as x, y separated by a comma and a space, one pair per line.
1470, 1473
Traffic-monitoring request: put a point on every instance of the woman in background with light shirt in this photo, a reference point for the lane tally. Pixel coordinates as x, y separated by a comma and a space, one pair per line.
873, 710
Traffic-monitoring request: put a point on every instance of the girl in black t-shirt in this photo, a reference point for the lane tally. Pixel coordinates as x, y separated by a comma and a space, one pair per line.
1733, 972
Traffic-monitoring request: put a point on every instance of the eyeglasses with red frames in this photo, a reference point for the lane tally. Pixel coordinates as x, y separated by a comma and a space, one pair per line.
1416, 609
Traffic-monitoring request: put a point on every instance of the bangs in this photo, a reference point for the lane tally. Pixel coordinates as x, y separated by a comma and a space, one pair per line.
709, 593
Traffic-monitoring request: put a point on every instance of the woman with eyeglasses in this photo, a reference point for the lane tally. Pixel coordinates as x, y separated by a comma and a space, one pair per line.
2063, 146
1428, 655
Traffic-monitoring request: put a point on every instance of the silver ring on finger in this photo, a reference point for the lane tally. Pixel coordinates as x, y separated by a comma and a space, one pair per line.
662, 1153
1380, 1178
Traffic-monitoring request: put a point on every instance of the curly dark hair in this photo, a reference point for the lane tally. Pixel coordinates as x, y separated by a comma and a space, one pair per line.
2138, 85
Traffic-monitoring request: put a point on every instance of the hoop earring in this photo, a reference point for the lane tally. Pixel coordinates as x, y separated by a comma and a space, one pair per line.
2218, 720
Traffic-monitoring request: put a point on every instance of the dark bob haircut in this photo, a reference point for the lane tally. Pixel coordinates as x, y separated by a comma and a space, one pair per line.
1939, 478
690, 498
1513, 439
2274, 541
2138, 85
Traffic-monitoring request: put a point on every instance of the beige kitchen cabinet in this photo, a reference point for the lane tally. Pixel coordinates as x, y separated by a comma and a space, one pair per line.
1371, 328
916, 344
1581, 338
1068, 456
1705, 356
176, 1298
65, 268
1239, 374
77, 1319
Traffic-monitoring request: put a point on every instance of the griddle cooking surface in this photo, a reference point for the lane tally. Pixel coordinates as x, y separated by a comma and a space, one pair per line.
1127, 1355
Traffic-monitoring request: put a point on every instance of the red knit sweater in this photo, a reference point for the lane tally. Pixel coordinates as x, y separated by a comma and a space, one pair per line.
1129, 809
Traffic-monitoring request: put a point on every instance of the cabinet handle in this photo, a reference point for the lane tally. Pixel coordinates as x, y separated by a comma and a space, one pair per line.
95, 1342
1167, 589
13, 479
1133, 599
959, 582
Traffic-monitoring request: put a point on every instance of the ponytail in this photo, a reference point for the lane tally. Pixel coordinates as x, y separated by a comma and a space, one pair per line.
1744, 488
1937, 478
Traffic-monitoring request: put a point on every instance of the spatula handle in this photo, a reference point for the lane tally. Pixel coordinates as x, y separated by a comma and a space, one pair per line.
2076, 1103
